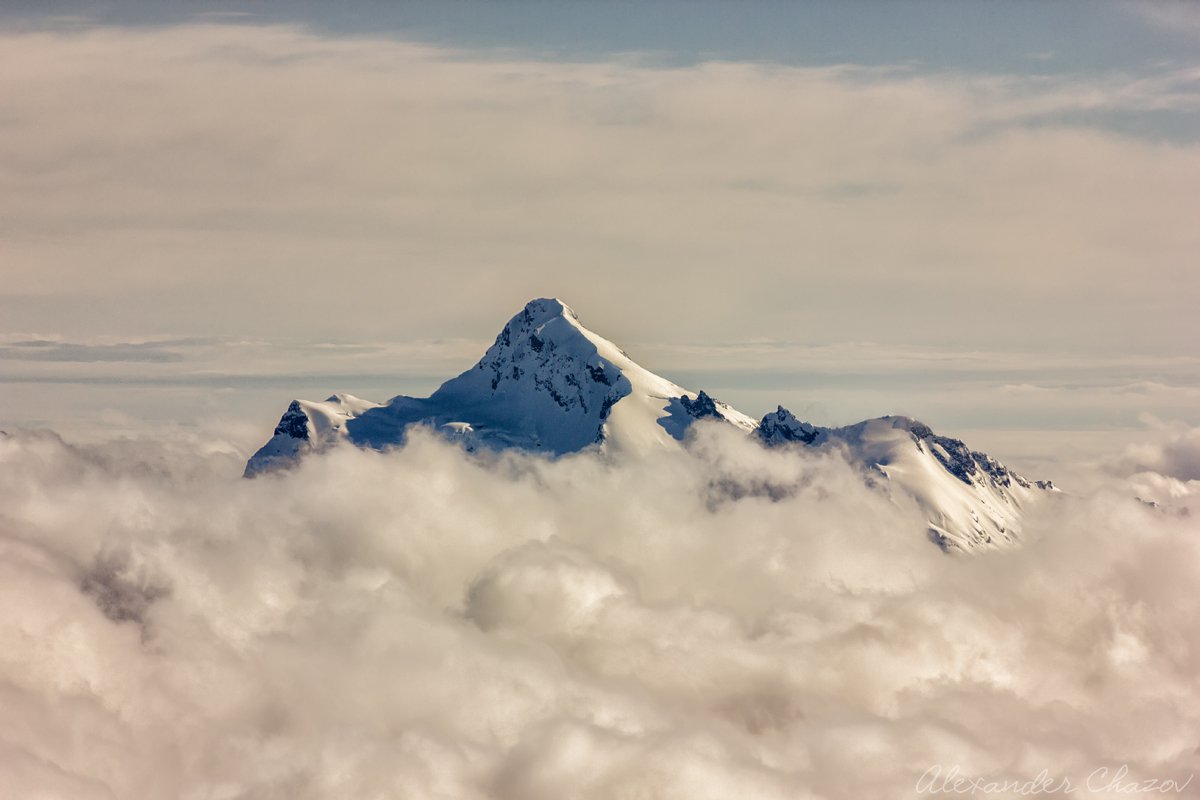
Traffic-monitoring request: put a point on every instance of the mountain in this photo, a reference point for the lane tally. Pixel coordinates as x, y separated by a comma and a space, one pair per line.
550, 385
547, 384
972, 500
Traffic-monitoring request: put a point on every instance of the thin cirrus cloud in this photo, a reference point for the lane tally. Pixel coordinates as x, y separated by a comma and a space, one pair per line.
57, 351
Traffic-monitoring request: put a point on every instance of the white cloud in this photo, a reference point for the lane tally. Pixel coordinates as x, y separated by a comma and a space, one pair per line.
1180, 18
426, 622
1174, 453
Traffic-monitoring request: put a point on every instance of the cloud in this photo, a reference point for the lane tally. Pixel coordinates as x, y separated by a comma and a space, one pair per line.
46, 350
200, 359
436, 624
1181, 19
1173, 453
317, 187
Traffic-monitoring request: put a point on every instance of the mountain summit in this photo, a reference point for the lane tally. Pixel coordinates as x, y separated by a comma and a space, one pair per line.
547, 384
550, 385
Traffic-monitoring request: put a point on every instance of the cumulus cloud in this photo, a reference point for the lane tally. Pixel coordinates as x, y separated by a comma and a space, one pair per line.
722, 622
1163, 467
1177, 457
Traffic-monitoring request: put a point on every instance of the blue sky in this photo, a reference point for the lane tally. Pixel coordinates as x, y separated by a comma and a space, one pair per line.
979, 214
940, 35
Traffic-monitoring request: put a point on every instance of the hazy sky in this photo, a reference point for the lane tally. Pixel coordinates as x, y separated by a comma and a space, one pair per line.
983, 215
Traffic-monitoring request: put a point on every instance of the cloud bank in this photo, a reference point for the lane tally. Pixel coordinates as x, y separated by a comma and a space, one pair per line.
726, 622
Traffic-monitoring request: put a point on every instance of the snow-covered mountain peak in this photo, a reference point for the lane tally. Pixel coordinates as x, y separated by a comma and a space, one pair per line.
548, 325
548, 384
544, 384
546, 319
543, 309
545, 335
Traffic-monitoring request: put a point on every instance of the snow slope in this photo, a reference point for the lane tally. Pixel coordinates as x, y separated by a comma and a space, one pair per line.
306, 426
973, 501
550, 385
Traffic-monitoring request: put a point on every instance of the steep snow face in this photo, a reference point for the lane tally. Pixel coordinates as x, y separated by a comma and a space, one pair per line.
541, 386
307, 426
973, 501
639, 418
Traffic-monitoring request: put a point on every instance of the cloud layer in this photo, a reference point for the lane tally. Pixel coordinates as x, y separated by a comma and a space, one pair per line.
425, 623
310, 186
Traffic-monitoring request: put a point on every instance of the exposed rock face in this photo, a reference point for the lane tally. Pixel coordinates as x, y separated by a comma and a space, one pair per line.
702, 406
781, 426
293, 423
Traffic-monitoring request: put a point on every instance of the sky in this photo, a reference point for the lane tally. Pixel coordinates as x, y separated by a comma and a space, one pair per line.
982, 215
978, 214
